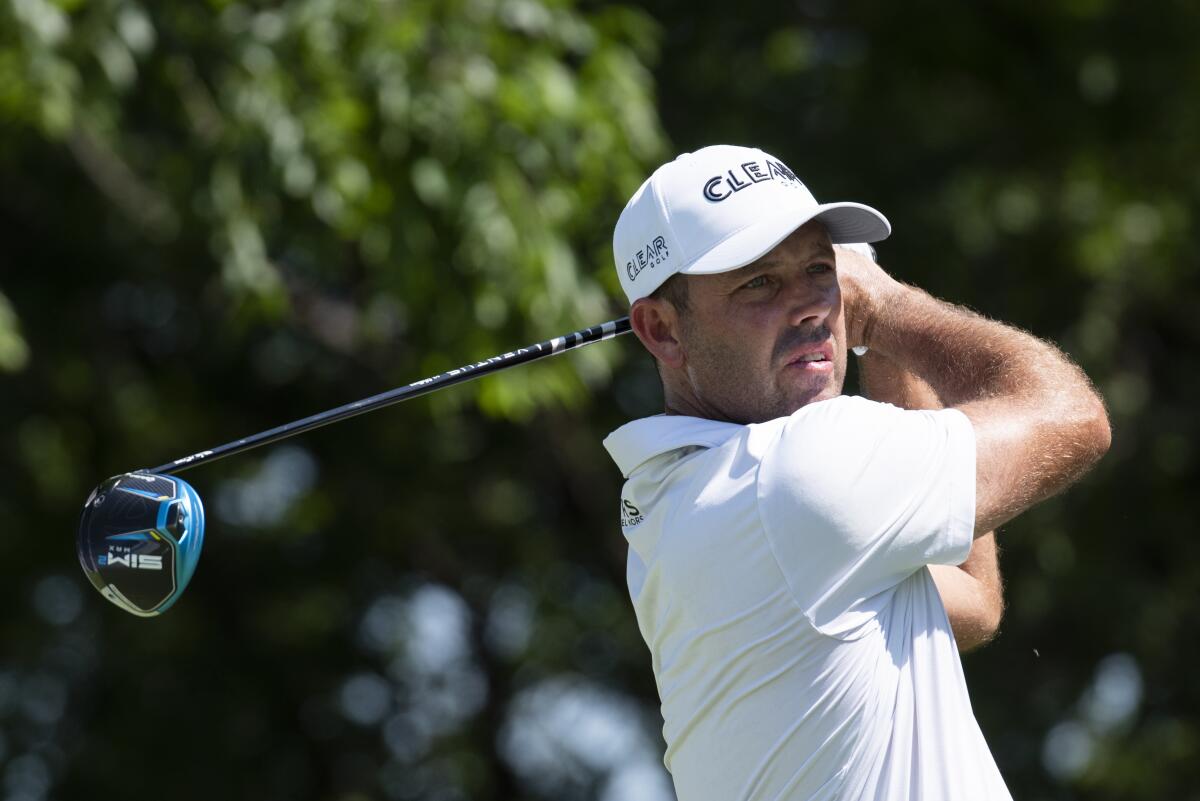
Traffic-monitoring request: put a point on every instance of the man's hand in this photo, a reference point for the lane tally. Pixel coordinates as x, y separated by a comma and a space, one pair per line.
866, 288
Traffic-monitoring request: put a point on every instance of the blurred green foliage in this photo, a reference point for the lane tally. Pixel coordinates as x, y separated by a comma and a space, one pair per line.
450, 155
221, 216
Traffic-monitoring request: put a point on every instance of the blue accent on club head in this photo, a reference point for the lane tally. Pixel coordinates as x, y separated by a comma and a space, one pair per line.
133, 535
191, 540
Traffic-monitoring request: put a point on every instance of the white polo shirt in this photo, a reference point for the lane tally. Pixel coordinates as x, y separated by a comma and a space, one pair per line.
778, 572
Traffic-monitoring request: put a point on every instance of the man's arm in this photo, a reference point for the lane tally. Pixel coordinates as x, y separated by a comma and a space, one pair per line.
1039, 424
972, 592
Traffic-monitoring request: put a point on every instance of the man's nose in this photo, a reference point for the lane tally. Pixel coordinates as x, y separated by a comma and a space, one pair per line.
809, 305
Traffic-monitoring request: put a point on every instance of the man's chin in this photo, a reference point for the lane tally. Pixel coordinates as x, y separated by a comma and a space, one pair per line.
804, 396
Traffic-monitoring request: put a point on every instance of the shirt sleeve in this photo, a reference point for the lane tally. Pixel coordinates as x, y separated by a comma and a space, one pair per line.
855, 496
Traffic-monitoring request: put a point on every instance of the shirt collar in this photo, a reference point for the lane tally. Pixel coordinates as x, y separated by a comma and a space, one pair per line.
636, 442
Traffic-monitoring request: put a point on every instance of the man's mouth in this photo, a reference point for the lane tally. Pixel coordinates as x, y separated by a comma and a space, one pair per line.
808, 352
818, 359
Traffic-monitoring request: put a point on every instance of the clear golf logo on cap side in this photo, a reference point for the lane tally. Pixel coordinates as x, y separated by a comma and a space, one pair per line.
654, 253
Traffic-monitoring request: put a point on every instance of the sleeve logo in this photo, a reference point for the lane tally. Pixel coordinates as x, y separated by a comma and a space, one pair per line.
630, 514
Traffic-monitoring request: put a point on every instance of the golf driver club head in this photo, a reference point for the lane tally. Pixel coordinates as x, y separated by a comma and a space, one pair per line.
139, 540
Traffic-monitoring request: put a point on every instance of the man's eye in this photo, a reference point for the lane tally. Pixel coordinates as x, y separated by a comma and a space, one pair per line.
755, 282
820, 267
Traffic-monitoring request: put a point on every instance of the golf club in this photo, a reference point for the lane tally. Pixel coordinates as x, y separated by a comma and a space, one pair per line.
141, 532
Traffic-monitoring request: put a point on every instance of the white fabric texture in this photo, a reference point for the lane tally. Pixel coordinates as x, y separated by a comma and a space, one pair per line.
778, 573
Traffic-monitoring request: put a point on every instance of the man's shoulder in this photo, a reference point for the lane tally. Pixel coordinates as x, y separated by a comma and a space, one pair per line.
850, 415
841, 406
826, 440
834, 419
826, 447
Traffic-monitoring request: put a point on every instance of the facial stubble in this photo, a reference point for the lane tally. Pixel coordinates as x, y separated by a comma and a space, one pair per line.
739, 389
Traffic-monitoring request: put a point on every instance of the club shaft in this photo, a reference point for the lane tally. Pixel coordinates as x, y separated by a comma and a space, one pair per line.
541, 350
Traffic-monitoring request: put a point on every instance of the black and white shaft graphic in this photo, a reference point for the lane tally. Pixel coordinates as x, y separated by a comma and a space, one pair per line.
530, 353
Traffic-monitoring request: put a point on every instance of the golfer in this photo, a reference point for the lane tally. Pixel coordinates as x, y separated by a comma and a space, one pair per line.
793, 551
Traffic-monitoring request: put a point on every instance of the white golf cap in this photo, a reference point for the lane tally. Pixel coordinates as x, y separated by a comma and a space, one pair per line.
721, 208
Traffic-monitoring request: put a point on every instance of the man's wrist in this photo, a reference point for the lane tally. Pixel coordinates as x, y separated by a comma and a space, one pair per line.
886, 299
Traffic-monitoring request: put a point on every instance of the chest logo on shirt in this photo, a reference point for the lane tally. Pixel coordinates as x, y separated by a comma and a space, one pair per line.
630, 514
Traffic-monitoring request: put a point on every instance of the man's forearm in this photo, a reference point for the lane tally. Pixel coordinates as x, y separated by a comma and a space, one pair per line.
1026, 399
965, 357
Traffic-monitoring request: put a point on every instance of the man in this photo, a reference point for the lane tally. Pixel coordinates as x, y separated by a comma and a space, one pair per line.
780, 533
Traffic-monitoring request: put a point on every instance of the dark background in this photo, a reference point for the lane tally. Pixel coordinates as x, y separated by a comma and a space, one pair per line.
217, 217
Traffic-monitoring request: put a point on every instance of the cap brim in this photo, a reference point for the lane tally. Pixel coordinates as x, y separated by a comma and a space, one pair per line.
845, 222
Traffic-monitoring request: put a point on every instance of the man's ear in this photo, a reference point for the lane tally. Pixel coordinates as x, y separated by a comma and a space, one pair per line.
656, 323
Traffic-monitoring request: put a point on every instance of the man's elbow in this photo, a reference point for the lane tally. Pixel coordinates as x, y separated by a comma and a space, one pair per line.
1086, 434
981, 627
1099, 429
993, 615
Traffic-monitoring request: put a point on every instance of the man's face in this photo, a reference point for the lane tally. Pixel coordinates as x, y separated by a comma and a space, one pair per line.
761, 341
